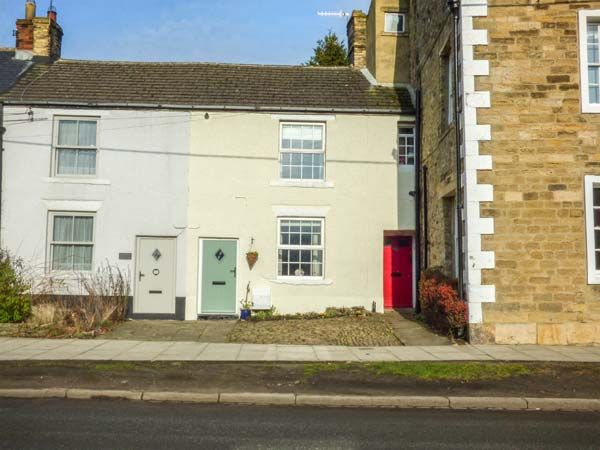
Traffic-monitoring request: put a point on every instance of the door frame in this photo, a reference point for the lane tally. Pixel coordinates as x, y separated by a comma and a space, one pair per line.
136, 266
411, 235
200, 274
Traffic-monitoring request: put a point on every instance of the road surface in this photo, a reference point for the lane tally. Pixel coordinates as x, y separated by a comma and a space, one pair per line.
105, 424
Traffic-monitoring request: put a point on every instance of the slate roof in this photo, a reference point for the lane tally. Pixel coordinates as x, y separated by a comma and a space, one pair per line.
10, 68
206, 85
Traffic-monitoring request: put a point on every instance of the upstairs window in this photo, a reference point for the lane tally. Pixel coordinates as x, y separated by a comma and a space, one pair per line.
589, 57
71, 242
406, 146
302, 151
75, 148
394, 23
592, 210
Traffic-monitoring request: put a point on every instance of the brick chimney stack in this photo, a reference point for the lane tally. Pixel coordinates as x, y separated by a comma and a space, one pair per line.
38, 36
357, 39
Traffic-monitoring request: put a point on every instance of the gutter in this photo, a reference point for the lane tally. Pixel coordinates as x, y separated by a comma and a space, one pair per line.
207, 107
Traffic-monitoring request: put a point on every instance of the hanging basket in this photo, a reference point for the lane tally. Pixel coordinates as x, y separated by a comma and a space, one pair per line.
251, 257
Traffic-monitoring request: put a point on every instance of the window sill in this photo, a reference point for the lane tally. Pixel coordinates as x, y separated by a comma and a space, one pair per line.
594, 278
83, 180
317, 184
297, 281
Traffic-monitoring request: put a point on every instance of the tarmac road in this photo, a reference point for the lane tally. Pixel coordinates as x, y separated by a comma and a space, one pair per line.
105, 424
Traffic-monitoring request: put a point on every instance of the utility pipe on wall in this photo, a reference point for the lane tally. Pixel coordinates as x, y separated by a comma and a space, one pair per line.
454, 6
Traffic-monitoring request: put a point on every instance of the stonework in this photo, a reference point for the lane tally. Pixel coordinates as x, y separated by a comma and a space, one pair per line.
542, 147
41, 35
526, 148
386, 55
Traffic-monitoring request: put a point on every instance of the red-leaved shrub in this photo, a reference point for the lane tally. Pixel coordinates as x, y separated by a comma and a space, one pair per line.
441, 307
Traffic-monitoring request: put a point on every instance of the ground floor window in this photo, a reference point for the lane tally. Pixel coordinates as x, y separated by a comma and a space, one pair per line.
71, 241
592, 207
300, 247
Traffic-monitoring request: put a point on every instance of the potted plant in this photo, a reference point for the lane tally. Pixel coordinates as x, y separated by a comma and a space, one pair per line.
251, 255
246, 305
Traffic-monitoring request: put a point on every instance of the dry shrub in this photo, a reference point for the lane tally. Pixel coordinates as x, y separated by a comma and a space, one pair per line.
102, 300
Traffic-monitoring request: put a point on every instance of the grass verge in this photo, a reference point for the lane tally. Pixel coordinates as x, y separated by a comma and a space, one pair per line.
429, 371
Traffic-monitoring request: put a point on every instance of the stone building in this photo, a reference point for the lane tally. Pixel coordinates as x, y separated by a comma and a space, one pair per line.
528, 104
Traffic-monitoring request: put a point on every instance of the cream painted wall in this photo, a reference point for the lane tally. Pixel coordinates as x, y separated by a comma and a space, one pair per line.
234, 160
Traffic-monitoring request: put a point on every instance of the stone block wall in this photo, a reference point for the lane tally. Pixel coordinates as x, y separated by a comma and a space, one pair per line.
432, 37
542, 146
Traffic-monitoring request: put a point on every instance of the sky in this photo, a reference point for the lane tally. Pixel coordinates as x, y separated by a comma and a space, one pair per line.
235, 31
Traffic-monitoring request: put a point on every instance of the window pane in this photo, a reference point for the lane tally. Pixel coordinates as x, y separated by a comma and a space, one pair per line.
597, 218
83, 229
286, 172
87, 134
592, 53
594, 94
592, 33
598, 260
62, 229
593, 74
67, 132
597, 196
62, 257
394, 23
82, 257
66, 162
597, 239
307, 173
86, 162
296, 173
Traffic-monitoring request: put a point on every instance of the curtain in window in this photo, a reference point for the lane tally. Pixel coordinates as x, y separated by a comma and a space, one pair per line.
82, 257
87, 134
63, 229
83, 229
62, 257
67, 132
66, 162
86, 162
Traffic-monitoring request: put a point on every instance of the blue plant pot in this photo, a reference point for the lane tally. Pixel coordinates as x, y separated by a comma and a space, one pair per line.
245, 314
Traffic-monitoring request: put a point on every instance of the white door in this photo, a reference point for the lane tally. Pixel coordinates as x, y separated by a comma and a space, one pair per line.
155, 276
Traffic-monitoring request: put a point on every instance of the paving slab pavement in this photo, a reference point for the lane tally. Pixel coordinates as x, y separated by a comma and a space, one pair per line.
122, 350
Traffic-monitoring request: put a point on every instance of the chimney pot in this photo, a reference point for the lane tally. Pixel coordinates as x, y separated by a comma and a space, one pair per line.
30, 9
52, 12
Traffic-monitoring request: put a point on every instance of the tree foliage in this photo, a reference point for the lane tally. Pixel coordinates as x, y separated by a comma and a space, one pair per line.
330, 51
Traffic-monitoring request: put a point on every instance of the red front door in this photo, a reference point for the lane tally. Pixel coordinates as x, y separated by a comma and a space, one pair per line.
398, 272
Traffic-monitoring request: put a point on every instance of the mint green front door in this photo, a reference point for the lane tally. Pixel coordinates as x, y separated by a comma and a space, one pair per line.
219, 269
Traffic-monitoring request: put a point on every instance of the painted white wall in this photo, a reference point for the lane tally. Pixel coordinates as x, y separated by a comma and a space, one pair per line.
140, 188
234, 193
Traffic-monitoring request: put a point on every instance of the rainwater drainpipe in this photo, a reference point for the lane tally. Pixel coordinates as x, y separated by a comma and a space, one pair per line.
454, 6
418, 195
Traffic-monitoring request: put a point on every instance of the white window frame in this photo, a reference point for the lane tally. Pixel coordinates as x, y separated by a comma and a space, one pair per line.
56, 147
52, 243
399, 14
301, 247
586, 16
591, 182
307, 181
414, 146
